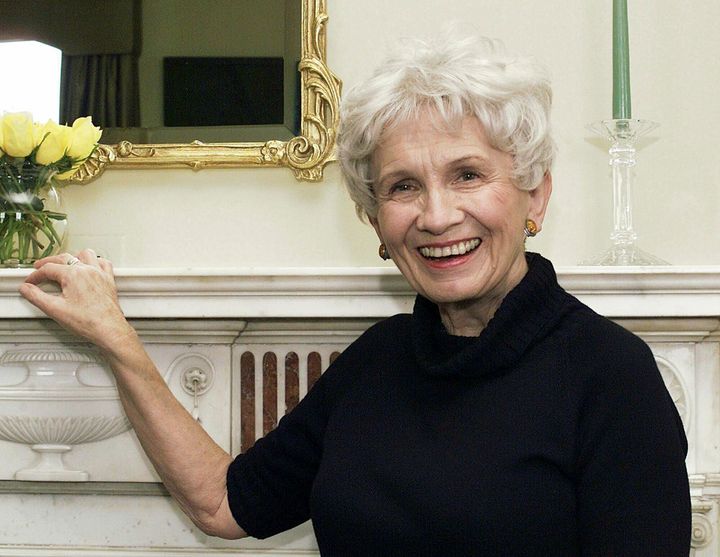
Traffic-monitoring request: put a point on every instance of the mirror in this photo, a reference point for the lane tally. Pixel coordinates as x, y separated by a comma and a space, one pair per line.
292, 32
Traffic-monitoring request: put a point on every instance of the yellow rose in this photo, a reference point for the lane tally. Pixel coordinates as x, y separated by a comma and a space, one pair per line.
55, 143
39, 130
84, 138
17, 134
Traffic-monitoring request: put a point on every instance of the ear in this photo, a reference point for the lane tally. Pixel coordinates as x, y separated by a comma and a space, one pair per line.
376, 226
539, 198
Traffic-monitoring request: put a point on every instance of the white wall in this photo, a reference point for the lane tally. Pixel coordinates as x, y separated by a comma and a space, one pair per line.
263, 217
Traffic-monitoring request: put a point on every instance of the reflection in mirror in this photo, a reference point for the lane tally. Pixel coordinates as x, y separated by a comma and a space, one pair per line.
190, 82
234, 48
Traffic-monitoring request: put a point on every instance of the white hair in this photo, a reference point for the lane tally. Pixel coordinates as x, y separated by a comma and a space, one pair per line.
455, 77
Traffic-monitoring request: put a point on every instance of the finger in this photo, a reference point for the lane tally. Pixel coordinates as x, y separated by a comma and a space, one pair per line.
47, 303
48, 272
88, 256
106, 265
60, 258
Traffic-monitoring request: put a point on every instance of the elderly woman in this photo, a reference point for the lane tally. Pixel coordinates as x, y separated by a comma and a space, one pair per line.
503, 417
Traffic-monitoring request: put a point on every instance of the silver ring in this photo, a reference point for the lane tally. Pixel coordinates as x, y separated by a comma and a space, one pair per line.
72, 261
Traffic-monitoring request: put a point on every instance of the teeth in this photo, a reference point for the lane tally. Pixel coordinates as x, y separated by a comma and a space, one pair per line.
456, 249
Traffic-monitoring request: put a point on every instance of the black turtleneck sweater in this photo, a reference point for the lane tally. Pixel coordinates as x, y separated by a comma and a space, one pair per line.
551, 433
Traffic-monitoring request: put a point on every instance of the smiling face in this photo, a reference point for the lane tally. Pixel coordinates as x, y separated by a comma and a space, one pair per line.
452, 218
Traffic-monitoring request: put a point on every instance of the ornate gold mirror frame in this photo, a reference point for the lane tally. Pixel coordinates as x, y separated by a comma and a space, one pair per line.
306, 155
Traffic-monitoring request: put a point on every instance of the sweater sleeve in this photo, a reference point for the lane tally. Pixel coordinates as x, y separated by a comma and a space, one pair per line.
633, 493
269, 485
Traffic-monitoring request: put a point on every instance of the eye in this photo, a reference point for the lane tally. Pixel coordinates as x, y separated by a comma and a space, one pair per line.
400, 188
467, 175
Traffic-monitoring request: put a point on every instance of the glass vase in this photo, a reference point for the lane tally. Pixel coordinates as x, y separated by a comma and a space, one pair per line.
32, 222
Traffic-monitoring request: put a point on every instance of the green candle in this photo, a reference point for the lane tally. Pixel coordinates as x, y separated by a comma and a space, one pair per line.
621, 62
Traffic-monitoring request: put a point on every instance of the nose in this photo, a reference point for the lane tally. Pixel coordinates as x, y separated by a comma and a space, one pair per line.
440, 211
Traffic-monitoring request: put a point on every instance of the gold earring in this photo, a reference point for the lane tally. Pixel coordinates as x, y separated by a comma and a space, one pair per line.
531, 228
383, 253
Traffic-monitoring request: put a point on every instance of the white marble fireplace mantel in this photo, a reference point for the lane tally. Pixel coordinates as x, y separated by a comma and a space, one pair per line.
239, 347
336, 292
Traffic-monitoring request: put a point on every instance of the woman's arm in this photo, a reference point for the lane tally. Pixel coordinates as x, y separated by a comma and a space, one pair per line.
191, 465
633, 493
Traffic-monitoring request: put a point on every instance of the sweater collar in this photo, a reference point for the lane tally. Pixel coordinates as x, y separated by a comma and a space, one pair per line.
524, 316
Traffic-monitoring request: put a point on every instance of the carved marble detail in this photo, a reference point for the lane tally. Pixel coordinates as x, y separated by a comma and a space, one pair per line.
53, 399
703, 529
676, 387
61, 430
196, 381
272, 382
194, 374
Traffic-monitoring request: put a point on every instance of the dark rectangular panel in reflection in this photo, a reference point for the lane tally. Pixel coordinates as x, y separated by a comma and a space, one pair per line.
209, 91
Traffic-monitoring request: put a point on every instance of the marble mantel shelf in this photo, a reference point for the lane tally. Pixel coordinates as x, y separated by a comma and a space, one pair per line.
372, 292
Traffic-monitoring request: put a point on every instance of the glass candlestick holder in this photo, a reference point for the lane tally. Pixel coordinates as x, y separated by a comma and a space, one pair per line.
622, 134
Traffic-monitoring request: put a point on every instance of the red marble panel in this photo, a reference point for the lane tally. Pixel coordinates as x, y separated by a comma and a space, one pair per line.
334, 356
247, 401
292, 381
314, 368
269, 406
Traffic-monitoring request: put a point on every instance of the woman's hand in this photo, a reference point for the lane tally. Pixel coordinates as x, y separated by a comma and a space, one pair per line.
88, 302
